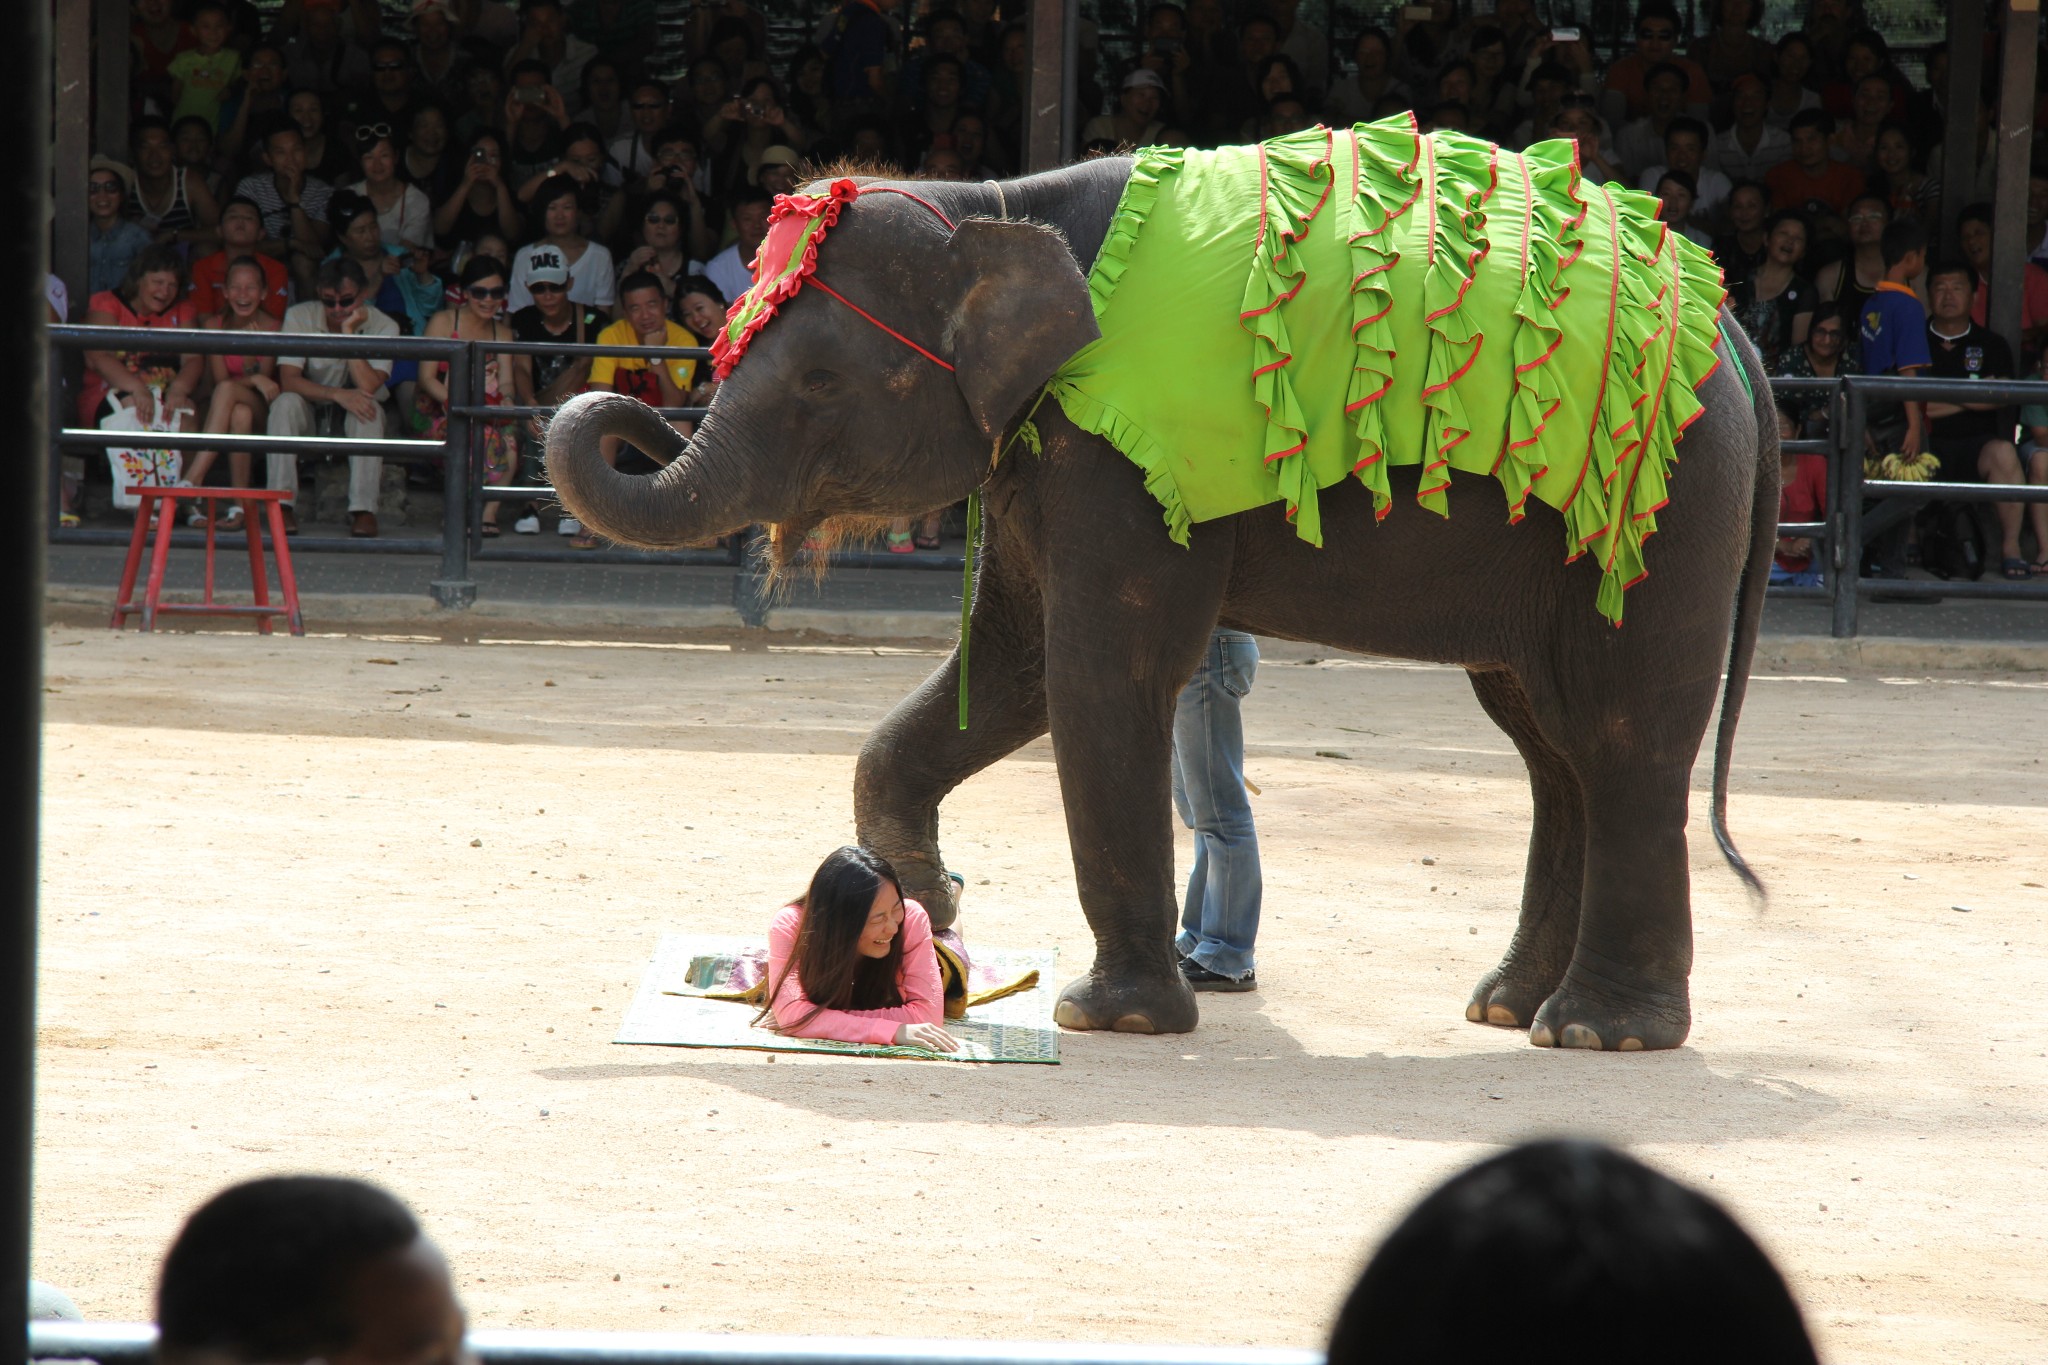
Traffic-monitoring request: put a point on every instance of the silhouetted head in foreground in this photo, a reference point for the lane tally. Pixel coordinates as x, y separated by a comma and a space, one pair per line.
300, 1268
1569, 1252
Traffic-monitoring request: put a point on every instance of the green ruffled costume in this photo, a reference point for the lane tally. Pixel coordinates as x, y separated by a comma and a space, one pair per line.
1391, 298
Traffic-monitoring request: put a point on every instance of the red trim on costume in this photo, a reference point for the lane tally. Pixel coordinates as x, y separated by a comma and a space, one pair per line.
1470, 360
1600, 399
1367, 401
1650, 426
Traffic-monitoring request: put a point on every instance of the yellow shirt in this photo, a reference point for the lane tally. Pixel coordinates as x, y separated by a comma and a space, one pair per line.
604, 370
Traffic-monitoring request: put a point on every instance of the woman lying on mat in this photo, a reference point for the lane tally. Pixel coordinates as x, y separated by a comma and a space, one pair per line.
853, 960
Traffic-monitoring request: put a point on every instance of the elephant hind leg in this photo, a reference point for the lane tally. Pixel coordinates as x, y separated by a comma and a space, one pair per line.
1510, 994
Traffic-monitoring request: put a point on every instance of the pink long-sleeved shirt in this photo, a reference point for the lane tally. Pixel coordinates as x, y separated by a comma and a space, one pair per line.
917, 981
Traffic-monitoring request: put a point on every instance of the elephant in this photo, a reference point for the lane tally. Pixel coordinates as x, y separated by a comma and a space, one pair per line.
1088, 617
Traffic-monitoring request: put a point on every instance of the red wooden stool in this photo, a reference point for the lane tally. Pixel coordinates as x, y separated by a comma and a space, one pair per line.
162, 504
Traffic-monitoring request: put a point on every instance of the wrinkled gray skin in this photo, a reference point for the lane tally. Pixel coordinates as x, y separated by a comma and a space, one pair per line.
1089, 619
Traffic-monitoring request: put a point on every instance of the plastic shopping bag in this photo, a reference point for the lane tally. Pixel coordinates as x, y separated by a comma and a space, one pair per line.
133, 467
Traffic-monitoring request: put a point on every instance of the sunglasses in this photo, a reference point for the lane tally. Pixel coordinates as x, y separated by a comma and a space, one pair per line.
543, 287
338, 305
1658, 35
486, 292
663, 219
372, 132
388, 66
648, 106
103, 187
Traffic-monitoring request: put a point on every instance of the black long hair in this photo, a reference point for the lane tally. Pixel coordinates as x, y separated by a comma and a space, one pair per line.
832, 971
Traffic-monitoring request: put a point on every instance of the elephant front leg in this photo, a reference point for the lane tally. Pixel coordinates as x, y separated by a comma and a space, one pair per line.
919, 753
1112, 740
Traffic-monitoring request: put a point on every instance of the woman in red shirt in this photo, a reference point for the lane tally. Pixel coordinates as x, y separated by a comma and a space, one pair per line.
853, 961
152, 295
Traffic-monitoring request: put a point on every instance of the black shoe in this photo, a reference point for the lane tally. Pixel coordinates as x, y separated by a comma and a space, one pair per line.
1200, 978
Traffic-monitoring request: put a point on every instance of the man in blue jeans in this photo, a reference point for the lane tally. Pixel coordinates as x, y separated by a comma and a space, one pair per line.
1221, 917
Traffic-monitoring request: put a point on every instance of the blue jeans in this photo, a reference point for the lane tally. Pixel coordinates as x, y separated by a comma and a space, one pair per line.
1221, 917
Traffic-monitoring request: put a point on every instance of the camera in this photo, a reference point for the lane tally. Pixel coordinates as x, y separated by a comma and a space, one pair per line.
528, 94
477, 154
1166, 47
1564, 35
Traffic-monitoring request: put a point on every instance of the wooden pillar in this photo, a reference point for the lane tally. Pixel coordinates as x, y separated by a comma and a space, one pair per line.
2009, 247
71, 111
1965, 92
111, 59
1049, 93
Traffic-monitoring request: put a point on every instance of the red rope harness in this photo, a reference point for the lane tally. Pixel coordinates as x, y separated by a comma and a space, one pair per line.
814, 280
817, 283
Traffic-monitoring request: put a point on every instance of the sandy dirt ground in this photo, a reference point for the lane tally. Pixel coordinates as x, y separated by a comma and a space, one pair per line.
376, 905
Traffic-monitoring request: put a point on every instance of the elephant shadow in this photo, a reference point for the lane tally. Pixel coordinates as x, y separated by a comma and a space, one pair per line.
1243, 1070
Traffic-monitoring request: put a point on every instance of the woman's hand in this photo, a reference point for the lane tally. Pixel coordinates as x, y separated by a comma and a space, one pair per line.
640, 257
264, 385
143, 399
930, 1037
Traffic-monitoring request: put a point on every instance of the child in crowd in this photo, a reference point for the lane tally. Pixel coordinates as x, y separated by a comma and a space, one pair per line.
1802, 497
853, 960
201, 75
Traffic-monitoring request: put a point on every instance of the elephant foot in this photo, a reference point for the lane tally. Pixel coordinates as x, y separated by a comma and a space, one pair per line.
1510, 994
1606, 1017
1127, 1004
926, 883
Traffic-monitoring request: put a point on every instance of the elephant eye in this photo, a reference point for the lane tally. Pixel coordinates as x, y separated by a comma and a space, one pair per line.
817, 381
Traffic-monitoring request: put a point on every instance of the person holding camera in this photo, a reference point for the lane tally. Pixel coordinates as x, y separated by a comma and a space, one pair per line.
481, 203
675, 172
535, 119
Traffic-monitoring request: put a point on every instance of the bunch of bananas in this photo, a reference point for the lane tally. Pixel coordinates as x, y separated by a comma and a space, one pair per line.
1913, 469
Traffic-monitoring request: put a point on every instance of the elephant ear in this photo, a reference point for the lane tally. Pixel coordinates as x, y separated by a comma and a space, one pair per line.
1023, 310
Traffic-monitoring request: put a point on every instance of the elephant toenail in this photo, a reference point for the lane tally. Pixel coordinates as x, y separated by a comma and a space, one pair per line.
1067, 1014
1578, 1035
1502, 1016
1631, 1045
1132, 1023
1473, 1013
1540, 1036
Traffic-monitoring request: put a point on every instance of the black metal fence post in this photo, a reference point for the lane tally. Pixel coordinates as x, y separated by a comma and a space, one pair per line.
455, 589
1849, 534
25, 75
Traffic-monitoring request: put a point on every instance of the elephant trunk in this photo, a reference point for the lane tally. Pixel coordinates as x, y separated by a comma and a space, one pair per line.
705, 490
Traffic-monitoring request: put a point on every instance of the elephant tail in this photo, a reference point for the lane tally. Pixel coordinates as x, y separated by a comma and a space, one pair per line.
1749, 592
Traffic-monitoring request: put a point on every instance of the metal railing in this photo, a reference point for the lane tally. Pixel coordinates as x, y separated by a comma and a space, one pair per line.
453, 588
1859, 506
1842, 532
132, 1343
461, 541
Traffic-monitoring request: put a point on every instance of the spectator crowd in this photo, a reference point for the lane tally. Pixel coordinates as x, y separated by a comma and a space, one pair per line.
484, 171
